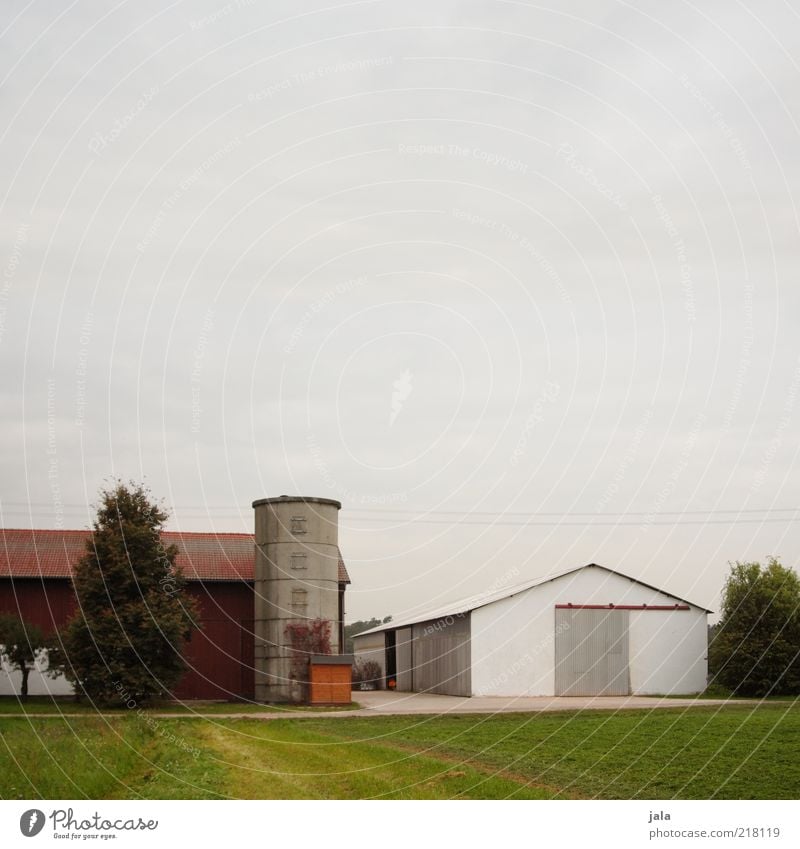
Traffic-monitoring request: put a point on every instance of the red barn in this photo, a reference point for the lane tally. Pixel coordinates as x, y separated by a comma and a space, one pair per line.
36, 584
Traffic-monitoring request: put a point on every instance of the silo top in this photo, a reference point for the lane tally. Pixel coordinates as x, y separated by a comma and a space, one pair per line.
288, 499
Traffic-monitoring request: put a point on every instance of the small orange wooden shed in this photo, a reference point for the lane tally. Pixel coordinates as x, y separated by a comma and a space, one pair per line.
331, 679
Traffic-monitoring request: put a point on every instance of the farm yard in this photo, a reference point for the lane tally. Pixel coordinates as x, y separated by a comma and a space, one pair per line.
735, 751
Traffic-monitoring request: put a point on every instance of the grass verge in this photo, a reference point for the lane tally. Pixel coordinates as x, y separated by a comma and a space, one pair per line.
10, 705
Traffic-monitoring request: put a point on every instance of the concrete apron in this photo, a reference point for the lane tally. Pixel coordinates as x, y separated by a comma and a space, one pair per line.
383, 703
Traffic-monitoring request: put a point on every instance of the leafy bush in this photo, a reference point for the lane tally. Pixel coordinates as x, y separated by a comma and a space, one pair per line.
368, 674
306, 639
24, 647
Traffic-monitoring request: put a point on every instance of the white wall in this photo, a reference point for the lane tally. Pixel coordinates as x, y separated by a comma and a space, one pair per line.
39, 684
668, 652
513, 645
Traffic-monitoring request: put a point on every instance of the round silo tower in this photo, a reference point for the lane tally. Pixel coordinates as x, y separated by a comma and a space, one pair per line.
296, 581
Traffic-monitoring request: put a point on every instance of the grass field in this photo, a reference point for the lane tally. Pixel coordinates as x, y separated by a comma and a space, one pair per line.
738, 751
45, 704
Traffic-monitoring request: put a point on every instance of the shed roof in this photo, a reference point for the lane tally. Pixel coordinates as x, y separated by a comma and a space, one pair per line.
26, 553
470, 603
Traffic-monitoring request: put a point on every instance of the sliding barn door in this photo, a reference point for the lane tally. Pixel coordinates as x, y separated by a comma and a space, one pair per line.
591, 652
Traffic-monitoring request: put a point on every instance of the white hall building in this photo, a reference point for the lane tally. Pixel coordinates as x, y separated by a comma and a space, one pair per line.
590, 631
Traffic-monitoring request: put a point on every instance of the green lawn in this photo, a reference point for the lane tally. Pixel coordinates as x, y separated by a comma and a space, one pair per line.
44, 704
737, 751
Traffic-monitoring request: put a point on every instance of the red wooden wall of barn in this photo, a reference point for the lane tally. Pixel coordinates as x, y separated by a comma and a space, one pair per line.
48, 604
220, 657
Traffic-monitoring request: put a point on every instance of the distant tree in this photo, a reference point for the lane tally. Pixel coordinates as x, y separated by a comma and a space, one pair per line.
755, 651
357, 627
24, 647
127, 639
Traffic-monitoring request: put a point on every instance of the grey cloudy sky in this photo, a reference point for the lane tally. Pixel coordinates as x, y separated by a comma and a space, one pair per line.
516, 284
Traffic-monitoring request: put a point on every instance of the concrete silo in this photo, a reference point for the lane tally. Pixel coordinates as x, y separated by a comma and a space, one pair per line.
297, 580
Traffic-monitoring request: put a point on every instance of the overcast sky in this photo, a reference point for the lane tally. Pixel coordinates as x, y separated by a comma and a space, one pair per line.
517, 285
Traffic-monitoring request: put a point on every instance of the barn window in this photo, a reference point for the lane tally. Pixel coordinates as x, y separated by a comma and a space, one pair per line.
299, 598
298, 524
298, 561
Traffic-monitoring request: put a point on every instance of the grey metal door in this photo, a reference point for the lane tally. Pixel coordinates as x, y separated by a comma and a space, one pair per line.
404, 660
442, 656
591, 648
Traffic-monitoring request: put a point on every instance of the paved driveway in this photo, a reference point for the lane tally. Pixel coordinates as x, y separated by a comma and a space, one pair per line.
382, 702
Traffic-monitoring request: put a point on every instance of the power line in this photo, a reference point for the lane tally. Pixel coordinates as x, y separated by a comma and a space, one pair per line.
591, 524
203, 510
577, 512
486, 518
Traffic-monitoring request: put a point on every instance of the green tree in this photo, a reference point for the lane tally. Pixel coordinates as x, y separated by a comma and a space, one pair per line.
127, 639
357, 627
24, 647
756, 649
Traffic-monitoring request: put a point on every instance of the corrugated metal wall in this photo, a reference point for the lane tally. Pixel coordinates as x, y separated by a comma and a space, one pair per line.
405, 660
591, 649
441, 656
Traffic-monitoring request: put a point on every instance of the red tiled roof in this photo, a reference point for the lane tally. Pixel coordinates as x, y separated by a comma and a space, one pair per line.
203, 557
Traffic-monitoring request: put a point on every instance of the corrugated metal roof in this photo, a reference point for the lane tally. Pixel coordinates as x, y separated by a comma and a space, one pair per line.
470, 603
203, 556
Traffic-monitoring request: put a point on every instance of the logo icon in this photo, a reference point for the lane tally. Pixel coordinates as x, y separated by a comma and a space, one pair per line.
31, 822
403, 387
